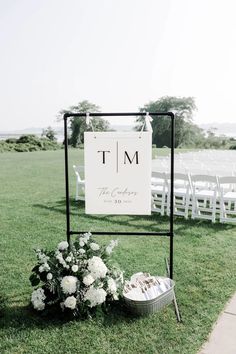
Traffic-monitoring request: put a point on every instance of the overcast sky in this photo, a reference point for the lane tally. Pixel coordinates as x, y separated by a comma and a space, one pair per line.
118, 54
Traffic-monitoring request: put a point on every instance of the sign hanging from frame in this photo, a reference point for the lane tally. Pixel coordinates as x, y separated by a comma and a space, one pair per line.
118, 172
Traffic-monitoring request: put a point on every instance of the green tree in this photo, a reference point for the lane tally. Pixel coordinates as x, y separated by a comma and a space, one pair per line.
78, 124
49, 133
193, 135
183, 107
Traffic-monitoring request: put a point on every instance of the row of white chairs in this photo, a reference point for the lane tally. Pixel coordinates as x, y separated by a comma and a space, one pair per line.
209, 162
195, 196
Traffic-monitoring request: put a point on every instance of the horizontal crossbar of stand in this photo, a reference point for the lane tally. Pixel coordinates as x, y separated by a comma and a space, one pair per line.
70, 114
161, 233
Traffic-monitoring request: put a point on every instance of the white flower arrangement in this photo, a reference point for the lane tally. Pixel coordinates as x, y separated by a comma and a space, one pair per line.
76, 278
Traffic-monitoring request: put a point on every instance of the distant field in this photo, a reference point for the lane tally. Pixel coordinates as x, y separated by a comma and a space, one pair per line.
32, 214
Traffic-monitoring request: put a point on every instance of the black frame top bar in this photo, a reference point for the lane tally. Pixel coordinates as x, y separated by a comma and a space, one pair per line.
169, 233
96, 114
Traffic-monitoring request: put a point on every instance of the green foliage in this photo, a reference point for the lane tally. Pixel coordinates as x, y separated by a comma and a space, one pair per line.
22, 147
50, 145
187, 134
29, 143
233, 147
5, 147
211, 141
29, 139
78, 125
49, 133
11, 141
183, 108
34, 279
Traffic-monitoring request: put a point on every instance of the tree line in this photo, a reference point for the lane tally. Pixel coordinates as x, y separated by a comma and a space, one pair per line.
187, 134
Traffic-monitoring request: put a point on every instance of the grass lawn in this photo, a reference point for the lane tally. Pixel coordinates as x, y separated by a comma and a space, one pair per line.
32, 214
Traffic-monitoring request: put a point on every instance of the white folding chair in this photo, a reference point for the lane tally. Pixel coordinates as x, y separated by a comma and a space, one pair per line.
182, 194
205, 195
159, 192
80, 183
227, 186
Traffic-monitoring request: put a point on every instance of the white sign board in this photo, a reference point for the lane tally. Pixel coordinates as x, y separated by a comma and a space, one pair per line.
118, 172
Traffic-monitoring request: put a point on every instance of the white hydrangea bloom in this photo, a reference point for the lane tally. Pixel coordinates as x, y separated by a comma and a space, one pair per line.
88, 280
70, 302
68, 284
94, 246
62, 246
37, 298
95, 296
75, 268
96, 267
112, 287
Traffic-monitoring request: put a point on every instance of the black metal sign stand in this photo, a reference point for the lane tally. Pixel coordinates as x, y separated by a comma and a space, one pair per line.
169, 233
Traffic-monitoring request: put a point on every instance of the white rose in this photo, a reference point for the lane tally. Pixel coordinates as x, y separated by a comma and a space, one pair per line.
70, 302
74, 268
88, 280
49, 276
81, 251
94, 246
62, 246
41, 269
68, 284
68, 259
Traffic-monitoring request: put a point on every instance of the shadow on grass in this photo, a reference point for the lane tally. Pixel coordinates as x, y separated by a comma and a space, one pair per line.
152, 223
23, 317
